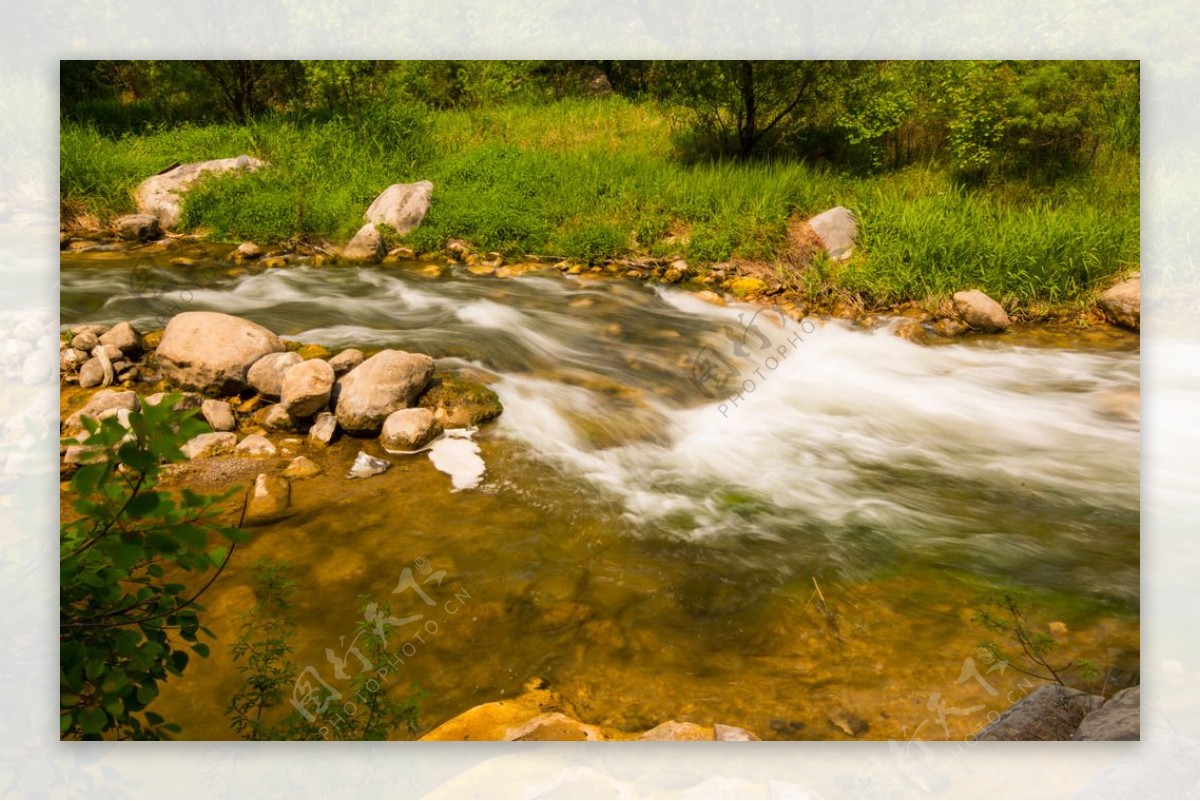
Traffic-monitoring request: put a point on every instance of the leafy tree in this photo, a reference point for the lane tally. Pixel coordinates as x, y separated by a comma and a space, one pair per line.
736, 108
127, 617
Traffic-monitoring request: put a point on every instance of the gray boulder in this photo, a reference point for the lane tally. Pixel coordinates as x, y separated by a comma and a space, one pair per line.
407, 430
218, 414
1122, 304
366, 247
837, 229
1051, 712
402, 206
388, 381
266, 374
161, 194
1118, 719
213, 352
95, 372
137, 226
980, 312
306, 388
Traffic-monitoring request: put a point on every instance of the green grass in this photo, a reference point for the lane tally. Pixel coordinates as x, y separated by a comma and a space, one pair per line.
592, 180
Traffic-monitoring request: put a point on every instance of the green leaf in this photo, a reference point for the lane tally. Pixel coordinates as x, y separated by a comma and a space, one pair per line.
217, 555
92, 721
147, 693
201, 649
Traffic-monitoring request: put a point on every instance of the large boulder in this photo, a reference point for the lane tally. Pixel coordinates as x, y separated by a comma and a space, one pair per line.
266, 374
160, 195
1122, 304
1119, 719
837, 229
366, 247
457, 402
389, 380
306, 388
402, 206
980, 312
1051, 712
408, 430
213, 352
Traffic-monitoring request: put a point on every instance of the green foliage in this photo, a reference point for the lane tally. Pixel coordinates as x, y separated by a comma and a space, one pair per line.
127, 616
1007, 615
593, 179
262, 654
378, 714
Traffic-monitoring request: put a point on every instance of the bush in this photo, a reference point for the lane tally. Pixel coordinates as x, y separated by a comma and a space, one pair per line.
124, 606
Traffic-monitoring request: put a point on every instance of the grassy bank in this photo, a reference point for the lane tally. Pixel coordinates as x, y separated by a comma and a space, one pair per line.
591, 180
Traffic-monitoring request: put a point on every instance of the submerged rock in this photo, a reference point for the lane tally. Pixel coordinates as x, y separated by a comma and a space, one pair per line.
1050, 712
388, 381
213, 352
554, 726
980, 312
301, 467
270, 499
401, 206
365, 465
1122, 304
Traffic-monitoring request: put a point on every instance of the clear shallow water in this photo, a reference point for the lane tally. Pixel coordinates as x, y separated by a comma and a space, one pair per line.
649, 545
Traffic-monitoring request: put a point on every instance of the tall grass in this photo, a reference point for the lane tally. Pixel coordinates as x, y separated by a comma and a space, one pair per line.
595, 179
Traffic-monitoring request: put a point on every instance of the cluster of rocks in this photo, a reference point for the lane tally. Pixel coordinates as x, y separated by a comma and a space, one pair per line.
539, 714
242, 377
1054, 712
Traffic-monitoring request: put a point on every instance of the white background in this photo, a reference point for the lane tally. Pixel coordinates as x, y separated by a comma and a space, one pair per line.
34, 36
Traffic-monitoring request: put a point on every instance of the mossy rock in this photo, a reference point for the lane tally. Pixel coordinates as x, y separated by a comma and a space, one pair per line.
311, 351
150, 340
747, 287
459, 403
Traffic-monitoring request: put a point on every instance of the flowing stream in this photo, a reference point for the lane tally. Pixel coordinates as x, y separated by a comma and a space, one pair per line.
655, 545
